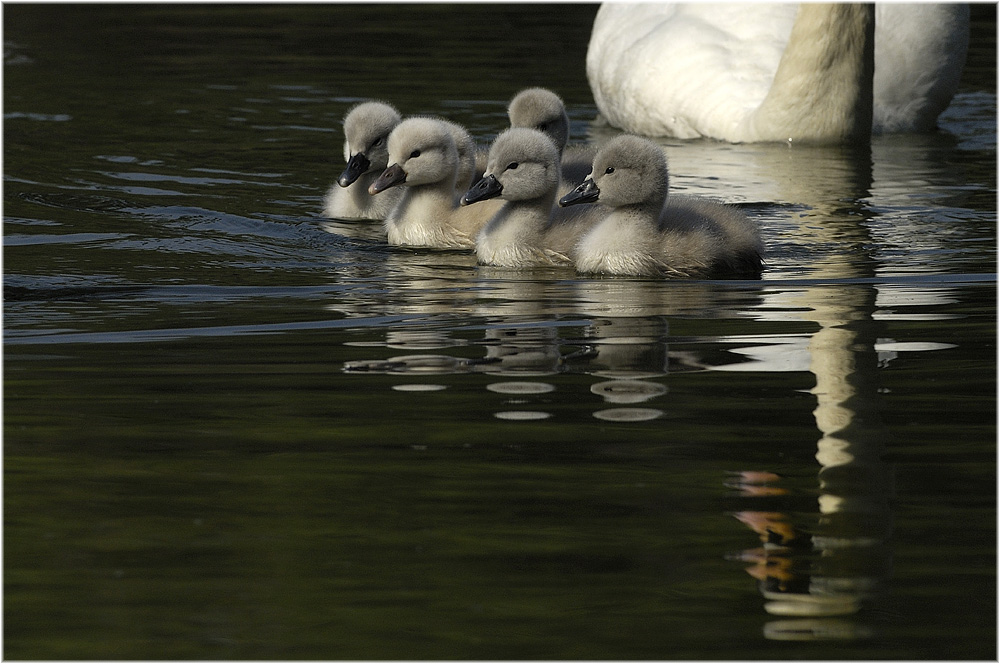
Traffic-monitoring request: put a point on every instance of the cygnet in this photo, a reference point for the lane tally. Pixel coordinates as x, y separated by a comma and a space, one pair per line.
523, 170
466, 156
542, 109
366, 131
647, 234
425, 161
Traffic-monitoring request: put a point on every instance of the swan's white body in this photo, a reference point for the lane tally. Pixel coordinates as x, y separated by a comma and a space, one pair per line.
425, 162
650, 234
529, 231
702, 70
920, 52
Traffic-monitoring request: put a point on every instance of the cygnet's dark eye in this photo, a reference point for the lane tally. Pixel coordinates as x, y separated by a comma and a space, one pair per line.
377, 142
414, 154
543, 126
512, 165
609, 170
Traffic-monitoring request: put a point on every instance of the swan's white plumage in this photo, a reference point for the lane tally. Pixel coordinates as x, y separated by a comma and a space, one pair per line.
920, 52
691, 70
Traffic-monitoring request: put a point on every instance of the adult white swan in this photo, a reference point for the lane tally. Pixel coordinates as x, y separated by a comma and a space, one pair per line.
776, 72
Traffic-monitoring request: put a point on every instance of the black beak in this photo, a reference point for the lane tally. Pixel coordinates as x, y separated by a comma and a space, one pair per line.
390, 176
488, 187
356, 167
586, 192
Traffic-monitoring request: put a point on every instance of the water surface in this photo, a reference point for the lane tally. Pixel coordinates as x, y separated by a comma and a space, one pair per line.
236, 429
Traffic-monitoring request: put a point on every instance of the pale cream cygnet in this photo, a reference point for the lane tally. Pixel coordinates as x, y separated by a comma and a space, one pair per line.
523, 170
425, 162
648, 234
544, 110
366, 131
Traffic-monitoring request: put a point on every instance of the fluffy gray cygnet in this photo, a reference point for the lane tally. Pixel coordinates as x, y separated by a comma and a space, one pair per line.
648, 234
366, 132
542, 109
424, 161
523, 171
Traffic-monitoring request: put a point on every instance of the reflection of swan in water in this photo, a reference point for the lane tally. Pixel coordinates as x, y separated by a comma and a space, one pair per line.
530, 350
628, 337
854, 521
815, 594
628, 391
629, 348
532, 326
414, 283
759, 72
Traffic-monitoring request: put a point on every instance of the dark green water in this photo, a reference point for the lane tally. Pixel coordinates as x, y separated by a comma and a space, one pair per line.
236, 430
